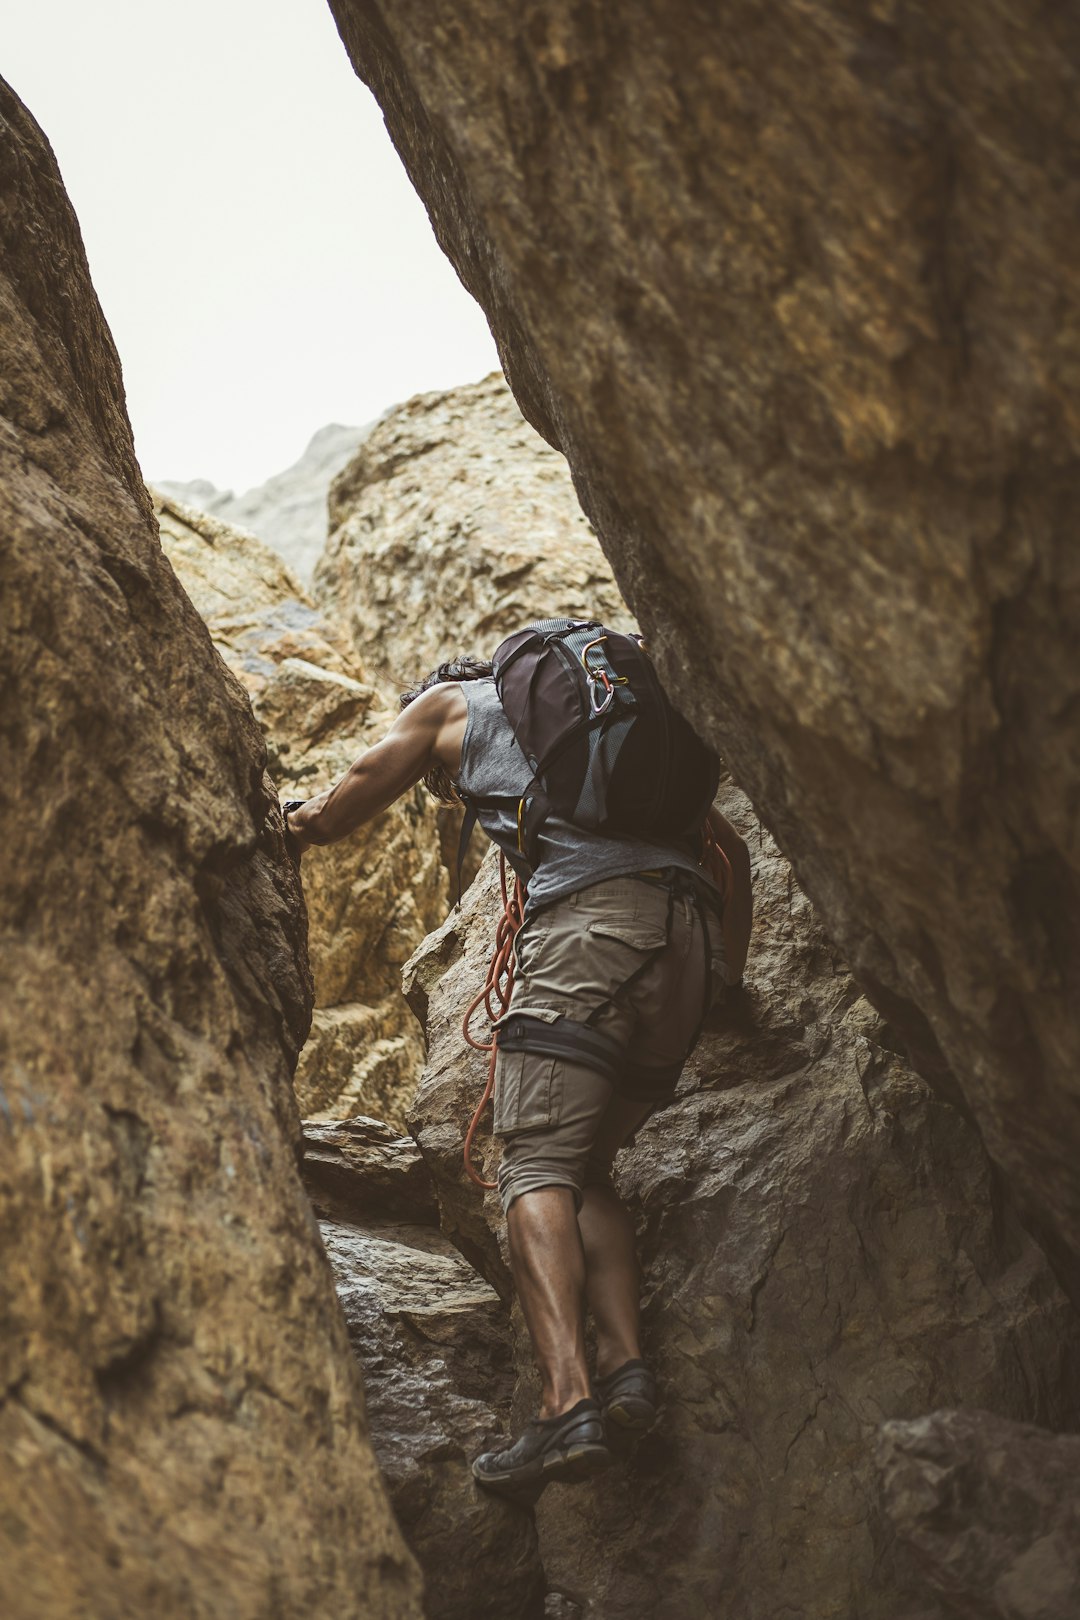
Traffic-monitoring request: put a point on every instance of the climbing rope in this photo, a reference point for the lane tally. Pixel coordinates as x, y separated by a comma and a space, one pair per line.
495, 999
718, 865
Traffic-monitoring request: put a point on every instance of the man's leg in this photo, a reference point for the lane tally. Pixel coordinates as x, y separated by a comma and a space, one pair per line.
540, 1179
540, 1175
548, 1263
612, 1277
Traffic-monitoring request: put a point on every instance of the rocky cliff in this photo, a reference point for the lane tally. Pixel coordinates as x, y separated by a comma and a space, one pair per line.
454, 524
288, 511
370, 899
181, 1423
825, 1247
796, 293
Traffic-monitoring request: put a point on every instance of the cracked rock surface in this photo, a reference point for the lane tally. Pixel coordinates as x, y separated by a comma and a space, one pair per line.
797, 292
181, 1421
825, 1247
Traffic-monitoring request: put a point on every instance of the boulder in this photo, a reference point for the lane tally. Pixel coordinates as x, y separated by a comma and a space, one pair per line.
454, 524
365, 1171
434, 1343
989, 1512
825, 1246
288, 511
795, 290
370, 899
181, 1422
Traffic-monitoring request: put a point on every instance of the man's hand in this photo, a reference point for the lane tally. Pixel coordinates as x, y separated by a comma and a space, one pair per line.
294, 838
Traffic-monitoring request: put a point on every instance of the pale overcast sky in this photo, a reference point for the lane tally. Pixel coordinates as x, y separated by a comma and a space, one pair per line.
261, 258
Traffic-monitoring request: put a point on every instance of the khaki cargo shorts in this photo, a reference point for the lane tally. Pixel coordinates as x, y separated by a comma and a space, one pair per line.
637, 960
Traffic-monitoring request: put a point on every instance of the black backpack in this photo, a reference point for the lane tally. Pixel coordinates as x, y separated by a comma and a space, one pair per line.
609, 752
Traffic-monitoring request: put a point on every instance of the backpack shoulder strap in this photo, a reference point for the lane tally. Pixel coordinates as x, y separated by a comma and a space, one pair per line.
468, 822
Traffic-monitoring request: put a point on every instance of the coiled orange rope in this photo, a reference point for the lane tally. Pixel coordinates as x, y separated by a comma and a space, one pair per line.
495, 999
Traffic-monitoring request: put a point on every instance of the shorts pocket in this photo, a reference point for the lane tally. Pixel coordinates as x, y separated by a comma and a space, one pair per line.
528, 940
528, 1092
646, 934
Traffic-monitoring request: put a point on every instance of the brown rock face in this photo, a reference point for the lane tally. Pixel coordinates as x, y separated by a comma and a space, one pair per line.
454, 524
796, 292
989, 1513
181, 1423
824, 1248
434, 1342
370, 899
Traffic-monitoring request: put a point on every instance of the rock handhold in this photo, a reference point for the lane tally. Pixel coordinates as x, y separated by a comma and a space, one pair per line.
362, 1169
371, 898
988, 1512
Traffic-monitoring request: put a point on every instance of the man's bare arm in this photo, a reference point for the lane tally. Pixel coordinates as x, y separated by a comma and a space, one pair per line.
739, 907
379, 776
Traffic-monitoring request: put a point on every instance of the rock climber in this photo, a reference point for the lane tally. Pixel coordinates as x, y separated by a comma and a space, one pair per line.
620, 934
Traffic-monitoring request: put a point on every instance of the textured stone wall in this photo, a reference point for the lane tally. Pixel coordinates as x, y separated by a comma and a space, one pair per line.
371, 898
796, 292
454, 524
987, 1512
181, 1423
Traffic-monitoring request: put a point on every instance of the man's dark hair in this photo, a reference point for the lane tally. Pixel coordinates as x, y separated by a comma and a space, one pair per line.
437, 779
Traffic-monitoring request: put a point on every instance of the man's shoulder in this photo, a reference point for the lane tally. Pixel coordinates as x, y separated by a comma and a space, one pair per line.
443, 703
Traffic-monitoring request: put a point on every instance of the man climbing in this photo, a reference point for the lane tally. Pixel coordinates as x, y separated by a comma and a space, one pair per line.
622, 944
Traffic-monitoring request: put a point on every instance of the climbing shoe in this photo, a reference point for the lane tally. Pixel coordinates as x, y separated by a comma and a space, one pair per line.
628, 1401
569, 1447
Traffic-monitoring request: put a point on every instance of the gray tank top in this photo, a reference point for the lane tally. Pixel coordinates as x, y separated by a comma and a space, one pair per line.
494, 774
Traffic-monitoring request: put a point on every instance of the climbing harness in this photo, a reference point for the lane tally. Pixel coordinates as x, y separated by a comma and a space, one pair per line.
564, 1037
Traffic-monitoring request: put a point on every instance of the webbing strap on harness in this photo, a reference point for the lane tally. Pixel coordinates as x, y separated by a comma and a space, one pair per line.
561, 1037
580, 1043
468, 822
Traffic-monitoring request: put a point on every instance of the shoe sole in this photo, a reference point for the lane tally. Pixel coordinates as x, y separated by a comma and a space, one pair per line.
568, 1467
